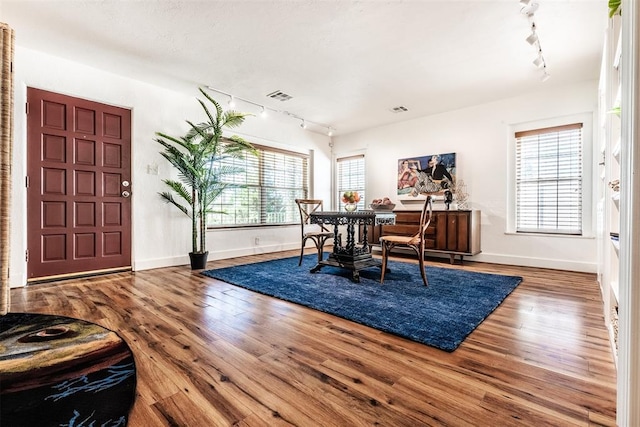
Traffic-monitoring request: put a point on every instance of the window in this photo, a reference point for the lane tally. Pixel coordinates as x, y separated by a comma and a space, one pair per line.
350, 178
268, 185
549, 178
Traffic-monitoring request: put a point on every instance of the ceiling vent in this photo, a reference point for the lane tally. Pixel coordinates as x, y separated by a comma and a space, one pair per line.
399, 109
279, 95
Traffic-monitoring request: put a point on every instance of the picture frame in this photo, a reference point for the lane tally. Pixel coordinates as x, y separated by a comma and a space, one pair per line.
429, 175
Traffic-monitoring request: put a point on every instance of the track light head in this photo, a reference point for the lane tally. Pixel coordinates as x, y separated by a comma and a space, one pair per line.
530, 8
329, 131
303, 125
232, 102
539, 61
263, 112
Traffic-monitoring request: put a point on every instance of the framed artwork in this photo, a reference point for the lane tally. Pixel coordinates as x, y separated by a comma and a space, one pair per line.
432, 175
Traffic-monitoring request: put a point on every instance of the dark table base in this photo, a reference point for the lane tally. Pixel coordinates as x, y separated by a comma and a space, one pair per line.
352, 255
353, 263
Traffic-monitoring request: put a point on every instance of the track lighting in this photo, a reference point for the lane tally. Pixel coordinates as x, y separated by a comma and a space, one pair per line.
264, 111
529, 7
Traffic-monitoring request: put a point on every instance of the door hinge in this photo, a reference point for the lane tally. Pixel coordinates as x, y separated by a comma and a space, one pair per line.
26, 108
26, 181
26, 255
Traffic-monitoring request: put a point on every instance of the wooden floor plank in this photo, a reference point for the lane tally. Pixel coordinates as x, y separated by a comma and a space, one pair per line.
211, 354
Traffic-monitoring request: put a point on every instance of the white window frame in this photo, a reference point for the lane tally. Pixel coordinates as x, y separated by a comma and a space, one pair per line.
588, 185
225, 201
359, 187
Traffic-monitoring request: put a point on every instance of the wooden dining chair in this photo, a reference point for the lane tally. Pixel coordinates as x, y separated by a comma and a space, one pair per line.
317, 233
415, 242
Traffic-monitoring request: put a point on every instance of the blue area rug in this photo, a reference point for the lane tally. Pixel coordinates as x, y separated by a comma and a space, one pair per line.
440, 315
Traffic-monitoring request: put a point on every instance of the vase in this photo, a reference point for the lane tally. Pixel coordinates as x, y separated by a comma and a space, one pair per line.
350, 207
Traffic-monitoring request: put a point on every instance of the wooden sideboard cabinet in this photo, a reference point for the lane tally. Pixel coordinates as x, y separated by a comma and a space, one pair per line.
451, 232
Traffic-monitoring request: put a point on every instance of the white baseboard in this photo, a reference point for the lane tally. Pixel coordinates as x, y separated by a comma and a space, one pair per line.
256, 250
555, 264
213, 255
18, 282
148, 264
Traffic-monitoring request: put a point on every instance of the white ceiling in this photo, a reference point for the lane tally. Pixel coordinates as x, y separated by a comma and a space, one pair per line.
345, 63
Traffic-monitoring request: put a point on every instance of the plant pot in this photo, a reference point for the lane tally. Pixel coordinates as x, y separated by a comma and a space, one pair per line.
198, 260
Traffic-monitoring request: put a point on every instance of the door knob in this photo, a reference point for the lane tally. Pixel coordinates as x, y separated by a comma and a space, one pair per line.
125, 193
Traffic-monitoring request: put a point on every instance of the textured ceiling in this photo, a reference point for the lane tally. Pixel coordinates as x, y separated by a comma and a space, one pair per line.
345, 63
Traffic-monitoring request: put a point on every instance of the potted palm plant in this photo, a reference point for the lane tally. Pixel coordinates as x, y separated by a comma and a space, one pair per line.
199, 157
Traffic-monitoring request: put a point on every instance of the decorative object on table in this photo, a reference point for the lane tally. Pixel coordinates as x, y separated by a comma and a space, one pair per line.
196, 157
441, 315
415, 242
462, 196
448, 198
319, 234
350, 200
426, 175
60, 371
384, 204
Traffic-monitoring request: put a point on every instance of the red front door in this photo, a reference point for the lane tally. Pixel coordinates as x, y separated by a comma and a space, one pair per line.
78, 186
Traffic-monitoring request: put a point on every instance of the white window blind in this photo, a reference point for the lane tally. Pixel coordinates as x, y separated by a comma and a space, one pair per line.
350, 178
549, 180
263, 189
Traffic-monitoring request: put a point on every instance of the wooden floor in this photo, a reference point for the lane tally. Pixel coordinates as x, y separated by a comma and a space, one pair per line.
212, 354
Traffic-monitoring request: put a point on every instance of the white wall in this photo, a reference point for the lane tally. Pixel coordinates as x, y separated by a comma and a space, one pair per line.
160, 234
480, 137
